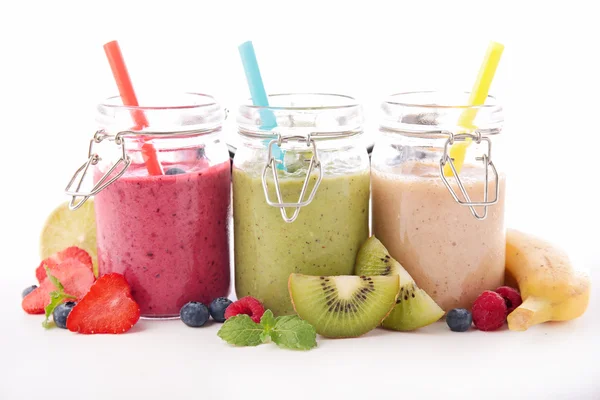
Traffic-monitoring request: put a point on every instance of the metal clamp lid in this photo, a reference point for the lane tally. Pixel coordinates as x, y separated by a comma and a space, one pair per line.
93, 159
120, 165
486, 158
271, 164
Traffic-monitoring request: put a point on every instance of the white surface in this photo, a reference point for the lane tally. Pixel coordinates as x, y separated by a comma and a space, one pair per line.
53, 71
167, 360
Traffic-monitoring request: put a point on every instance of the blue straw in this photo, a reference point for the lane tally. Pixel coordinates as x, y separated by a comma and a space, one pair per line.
258, 93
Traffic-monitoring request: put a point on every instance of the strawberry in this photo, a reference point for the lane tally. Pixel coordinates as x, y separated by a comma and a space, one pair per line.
36, 301
107, 308
75, 277
71, 253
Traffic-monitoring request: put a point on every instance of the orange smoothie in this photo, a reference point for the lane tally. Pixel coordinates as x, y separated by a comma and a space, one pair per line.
449, 253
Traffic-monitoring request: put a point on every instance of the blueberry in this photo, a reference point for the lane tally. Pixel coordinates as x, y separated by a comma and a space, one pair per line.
61, 313
28, 290
459, 320
194, 314
174, 171
217, 308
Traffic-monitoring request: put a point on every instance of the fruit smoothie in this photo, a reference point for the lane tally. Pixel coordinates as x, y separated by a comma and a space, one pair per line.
168, 235
324, 239
449, 253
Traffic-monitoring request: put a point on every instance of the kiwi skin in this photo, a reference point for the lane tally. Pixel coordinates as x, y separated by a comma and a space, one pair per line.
393, 305
374, 259
349, 336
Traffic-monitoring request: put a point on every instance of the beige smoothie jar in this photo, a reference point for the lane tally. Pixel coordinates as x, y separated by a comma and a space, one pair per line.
443, 223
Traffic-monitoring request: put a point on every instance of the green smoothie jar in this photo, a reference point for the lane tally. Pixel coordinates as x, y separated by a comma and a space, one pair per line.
301, 191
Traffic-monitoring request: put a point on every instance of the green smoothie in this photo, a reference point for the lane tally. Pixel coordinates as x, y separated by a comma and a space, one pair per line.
323, 240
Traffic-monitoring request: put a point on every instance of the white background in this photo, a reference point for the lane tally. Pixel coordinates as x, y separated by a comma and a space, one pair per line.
53, 71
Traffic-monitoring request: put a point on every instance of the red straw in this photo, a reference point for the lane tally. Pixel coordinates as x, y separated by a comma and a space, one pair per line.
119, 70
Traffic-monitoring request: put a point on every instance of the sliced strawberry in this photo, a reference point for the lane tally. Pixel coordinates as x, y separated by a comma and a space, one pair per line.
107, 308
75, 277
35, 301
70, 253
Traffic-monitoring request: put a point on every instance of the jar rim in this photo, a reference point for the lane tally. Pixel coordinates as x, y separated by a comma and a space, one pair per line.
432, 112
493, 100
345, 102
170, 113
319, 115
210, 102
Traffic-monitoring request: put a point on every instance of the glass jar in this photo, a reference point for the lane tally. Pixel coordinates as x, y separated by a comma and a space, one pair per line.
167, 233
300, 193
447, 232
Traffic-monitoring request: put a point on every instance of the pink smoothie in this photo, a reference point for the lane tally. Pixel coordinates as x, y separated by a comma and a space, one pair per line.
168, 235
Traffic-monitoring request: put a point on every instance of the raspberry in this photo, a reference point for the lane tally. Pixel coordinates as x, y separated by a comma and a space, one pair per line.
511, 297
246, 305
489, 311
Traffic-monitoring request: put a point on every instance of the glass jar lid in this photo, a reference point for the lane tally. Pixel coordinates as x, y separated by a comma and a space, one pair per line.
163, 115
296, 122
167, 114
320, 114
448, 115
436, 112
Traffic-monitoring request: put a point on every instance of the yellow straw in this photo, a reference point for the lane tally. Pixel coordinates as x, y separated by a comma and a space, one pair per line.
479, 94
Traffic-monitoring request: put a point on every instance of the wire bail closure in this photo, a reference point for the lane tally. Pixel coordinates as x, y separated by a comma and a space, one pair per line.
314, 163
486, 158
93, 159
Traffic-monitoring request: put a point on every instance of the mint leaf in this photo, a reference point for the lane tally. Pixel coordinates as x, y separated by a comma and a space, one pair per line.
56, 298
241, 331
267, 321
54, 281
265, 336
292, 332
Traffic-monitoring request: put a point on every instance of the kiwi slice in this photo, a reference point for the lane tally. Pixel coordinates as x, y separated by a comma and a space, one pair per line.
343, 306
414, 308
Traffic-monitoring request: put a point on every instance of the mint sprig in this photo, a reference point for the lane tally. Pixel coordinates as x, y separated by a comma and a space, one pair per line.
267, 322
57, 297
289, 332
241, 331
292, 332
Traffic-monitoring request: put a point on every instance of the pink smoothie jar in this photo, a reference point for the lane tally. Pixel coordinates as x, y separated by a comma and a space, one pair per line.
167, 233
